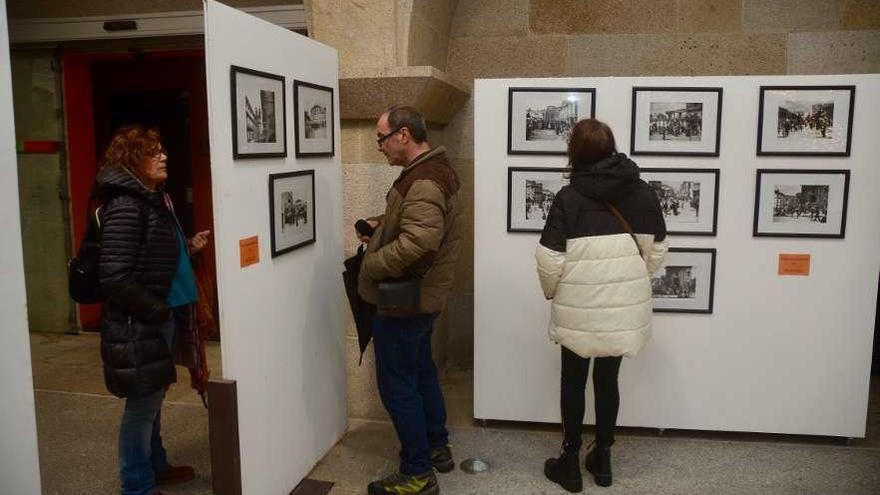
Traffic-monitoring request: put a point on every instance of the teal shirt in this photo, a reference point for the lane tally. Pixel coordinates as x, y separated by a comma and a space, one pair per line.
183, 285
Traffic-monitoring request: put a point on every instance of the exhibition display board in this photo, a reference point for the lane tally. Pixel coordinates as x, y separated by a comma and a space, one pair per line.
764, 314
278, 236
20, 468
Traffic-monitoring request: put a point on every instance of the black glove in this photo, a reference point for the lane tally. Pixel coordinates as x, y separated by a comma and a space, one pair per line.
364, 228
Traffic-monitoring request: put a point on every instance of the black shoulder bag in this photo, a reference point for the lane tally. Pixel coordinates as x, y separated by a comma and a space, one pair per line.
83, 282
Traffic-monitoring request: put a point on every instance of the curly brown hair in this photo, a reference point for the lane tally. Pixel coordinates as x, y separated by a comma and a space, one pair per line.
131, 146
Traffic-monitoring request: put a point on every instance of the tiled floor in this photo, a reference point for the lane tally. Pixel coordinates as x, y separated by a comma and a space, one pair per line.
77, 424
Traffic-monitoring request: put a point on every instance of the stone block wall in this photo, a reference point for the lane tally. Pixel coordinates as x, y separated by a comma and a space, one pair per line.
42, 182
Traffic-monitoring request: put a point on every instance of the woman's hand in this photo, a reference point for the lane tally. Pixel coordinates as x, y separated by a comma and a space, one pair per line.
199, 241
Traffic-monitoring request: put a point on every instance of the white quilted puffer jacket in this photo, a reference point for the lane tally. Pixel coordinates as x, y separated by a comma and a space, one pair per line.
601, 292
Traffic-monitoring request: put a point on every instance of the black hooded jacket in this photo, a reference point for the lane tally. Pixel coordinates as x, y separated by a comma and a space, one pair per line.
580, 210
139, 255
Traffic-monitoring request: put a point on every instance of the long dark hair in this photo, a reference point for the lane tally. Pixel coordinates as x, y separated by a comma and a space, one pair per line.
591, 141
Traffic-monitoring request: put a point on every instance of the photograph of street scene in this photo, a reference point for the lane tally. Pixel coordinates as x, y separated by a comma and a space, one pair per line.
539, 197
677, 121
680, 201
675, 282
805, 120
800, 204
260, 117
295, 211
551, 123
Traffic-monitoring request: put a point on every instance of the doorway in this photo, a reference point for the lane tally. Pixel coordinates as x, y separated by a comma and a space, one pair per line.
165, 90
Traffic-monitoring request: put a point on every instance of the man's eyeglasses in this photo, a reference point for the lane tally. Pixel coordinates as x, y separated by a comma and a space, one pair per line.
381, 139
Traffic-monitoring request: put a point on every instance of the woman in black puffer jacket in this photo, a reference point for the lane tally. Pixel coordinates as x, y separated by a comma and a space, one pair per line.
146, 278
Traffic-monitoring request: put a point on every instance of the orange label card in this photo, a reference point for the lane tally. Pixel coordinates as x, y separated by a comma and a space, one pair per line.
250, 251
794, 264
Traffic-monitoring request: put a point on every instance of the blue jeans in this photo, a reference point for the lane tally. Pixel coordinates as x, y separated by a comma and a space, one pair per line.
408, 386
141, 453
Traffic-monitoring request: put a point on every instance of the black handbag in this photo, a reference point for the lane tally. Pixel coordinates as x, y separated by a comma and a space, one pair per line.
399, 296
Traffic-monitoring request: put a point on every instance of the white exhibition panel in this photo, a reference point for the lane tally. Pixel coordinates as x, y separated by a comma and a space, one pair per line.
782, 354
19, 467
282, 318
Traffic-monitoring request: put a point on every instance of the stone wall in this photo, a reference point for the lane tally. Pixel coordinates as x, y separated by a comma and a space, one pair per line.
42, 183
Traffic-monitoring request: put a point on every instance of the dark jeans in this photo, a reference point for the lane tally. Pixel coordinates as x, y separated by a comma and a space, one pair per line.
141, 453
607, 401
408, 386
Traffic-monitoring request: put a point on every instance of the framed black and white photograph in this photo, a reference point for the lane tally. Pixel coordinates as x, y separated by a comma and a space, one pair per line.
539, 120
530, 193
259, 123
313, 108
292, 210
686, 281
688, 198
676, 121
805, 120
801, 203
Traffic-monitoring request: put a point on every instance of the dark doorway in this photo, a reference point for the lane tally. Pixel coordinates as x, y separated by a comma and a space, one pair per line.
167, 111
165, 90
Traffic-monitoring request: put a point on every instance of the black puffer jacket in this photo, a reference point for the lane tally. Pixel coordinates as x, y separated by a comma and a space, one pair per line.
581, 207
139, 255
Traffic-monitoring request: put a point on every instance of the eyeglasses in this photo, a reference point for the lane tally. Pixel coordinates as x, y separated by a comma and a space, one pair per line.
381, 139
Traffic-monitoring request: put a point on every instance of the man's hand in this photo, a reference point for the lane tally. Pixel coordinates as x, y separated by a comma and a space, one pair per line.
199, 241
363, 238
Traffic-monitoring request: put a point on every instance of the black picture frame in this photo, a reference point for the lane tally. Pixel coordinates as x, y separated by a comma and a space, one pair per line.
761, 118
510, 176
279, 248
511, 148
759, 216
710, 307
300, 145
634, 143
237, 152
646, 172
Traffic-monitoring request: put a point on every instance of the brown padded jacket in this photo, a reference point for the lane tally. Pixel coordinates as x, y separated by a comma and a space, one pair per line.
420, 232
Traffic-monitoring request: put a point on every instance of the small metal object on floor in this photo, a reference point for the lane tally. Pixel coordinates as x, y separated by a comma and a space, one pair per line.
475, 466
312, 487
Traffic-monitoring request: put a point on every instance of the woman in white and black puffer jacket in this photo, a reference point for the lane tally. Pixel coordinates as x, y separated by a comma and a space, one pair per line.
599, 281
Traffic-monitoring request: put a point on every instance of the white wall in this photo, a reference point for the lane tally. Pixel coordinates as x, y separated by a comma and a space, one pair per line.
19, 465
779, 354
282, 319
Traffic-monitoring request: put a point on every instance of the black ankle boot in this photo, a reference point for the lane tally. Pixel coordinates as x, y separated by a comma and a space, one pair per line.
598, 463
565, 470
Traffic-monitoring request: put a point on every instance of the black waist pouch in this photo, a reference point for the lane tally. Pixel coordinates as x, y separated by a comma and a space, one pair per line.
399, 296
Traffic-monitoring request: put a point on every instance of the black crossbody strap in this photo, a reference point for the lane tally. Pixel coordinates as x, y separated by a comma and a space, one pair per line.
625, 225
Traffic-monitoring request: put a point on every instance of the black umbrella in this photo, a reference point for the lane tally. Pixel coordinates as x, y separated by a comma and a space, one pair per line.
361, 310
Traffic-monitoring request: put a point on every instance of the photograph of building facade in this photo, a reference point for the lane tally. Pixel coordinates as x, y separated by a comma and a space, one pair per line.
316, 122
261, 118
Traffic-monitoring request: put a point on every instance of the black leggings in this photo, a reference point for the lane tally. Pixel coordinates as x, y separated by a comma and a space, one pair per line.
574, 383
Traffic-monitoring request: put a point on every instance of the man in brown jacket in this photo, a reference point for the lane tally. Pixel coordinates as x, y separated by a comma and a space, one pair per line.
418, 236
